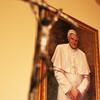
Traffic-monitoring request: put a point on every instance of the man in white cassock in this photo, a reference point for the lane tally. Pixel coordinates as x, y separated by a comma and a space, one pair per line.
71, 69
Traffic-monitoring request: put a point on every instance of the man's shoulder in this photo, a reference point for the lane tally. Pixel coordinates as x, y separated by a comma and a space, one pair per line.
81, 51
62, 45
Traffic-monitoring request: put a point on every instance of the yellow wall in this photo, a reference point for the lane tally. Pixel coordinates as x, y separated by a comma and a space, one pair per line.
17, 36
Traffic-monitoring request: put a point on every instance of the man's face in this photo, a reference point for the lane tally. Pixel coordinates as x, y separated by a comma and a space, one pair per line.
73, 40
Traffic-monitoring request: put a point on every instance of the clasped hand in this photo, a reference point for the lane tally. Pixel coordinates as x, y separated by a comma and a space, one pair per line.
74, 94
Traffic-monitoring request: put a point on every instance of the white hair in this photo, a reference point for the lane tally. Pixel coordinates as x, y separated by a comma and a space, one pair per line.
71, 31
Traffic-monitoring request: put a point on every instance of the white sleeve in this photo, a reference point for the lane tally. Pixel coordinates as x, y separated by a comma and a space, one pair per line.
83, 87
57, 63
63, 82
56, 59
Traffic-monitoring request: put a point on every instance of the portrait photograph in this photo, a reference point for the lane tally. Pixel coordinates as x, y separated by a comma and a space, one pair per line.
57, 80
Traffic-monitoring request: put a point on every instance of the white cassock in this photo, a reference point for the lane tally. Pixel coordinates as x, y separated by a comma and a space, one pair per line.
71, 70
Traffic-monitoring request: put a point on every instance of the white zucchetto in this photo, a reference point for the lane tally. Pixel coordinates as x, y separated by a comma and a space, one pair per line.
71, 31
